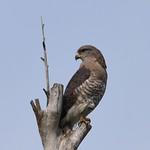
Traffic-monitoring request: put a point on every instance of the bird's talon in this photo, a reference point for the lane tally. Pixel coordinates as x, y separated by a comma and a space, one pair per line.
84, 120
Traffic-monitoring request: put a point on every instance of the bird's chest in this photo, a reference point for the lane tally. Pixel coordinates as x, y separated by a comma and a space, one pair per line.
91, 89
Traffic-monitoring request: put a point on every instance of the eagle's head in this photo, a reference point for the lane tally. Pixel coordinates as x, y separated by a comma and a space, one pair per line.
89, 52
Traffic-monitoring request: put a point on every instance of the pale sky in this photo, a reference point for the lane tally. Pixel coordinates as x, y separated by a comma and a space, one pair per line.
120, 28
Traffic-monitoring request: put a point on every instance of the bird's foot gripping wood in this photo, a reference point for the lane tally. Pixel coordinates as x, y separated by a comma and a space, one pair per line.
84, 120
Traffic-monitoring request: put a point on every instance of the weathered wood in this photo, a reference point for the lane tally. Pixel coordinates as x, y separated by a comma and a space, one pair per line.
52, 136
45, 60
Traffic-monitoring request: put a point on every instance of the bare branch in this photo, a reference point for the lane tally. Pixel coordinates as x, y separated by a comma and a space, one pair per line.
34, 108
38, 106
46, 93
45, 63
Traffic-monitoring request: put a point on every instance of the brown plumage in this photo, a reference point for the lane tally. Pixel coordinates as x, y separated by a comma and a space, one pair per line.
86, 88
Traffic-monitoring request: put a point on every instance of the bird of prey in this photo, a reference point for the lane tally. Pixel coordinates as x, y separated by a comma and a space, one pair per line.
86, 88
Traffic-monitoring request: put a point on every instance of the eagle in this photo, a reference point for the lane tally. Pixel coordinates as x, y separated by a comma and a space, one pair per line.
86, 88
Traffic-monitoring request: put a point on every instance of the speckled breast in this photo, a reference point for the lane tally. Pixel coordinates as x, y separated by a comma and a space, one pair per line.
91, 90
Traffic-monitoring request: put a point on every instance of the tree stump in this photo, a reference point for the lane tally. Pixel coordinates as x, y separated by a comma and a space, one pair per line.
52, 136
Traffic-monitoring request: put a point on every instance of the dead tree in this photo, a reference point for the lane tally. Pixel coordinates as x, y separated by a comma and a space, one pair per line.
53, 137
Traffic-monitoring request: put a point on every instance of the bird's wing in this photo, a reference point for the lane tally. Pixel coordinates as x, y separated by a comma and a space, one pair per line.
69, 97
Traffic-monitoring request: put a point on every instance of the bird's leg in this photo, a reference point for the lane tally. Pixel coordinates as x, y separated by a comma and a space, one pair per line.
84, 120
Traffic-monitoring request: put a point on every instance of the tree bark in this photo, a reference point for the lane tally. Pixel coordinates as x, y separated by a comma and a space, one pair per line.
52, 136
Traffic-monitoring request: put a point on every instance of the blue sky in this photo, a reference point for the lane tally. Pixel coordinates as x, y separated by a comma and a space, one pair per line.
120, 28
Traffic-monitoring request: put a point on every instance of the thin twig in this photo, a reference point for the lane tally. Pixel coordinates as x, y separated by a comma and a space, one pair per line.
47, 91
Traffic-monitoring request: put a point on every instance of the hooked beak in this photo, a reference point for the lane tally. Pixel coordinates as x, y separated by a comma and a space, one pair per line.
77, 56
